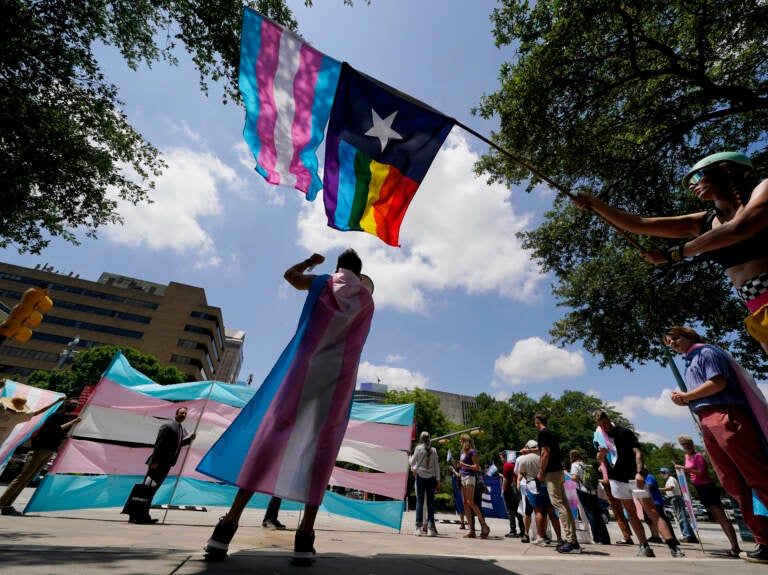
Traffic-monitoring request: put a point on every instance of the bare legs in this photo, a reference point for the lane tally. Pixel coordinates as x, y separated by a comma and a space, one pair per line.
719, 515
470, 509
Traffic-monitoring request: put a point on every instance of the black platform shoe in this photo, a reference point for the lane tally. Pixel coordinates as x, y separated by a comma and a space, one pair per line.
303, 549
218, 544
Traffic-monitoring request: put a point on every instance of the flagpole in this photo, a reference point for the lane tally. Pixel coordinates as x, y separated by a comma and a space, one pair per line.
545, 178
189, 447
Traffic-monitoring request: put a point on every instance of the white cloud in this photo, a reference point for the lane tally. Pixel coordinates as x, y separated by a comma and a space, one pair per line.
395, 377
459, 233
185, 194
394, 358
533, 359
502, 395
661, 406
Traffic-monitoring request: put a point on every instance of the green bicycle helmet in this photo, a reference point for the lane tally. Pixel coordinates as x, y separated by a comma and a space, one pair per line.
711, 160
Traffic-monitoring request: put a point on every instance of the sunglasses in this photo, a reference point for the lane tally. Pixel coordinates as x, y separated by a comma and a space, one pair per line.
686, 444
696, 177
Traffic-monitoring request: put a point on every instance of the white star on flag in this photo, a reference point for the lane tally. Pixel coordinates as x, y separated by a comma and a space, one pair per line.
382, 129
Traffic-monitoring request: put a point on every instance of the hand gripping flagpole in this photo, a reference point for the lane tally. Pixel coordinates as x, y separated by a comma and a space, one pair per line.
186, 454
560, 189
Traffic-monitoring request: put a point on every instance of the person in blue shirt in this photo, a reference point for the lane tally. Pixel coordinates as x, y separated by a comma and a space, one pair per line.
658, 502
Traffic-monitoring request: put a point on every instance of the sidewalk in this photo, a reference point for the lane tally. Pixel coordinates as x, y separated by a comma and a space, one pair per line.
100, 541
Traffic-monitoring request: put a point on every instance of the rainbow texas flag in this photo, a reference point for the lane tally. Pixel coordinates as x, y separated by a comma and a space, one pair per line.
379, 146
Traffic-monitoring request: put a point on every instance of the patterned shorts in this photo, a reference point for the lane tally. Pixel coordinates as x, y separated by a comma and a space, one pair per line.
754, 287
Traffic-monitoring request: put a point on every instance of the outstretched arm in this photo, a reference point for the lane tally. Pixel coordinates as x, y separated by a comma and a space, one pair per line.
295, 275
685, 226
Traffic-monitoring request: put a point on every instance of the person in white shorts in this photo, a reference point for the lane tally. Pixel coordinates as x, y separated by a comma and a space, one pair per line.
626, 474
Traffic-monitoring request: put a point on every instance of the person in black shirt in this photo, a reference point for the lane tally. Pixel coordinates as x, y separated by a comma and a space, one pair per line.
626, 474
552, 474
44, 444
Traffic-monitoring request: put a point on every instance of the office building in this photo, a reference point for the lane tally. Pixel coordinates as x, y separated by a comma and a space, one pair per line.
232, 358
171, 322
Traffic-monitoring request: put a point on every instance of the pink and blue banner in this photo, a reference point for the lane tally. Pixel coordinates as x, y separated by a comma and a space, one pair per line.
99, 465
36, 398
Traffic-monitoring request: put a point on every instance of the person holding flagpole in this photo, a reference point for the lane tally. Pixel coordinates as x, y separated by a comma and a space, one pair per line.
733, 233
733, 416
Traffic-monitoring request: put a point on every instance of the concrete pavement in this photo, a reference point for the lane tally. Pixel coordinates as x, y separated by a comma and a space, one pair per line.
101, 541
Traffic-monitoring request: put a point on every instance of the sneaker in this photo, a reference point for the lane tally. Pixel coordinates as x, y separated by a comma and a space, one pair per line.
431, 532
655, 539
624, 542
11, 511
541, 542
525, 539
573, 548
759, 555
645, 551
676, 552
462, 526
511, 534
548, 541
417, 532
690, 540
272, 524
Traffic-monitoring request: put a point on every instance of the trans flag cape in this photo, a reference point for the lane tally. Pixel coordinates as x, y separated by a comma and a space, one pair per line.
98, 466
286, 439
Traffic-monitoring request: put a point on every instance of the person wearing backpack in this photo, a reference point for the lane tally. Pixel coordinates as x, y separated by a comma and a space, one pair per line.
585, 476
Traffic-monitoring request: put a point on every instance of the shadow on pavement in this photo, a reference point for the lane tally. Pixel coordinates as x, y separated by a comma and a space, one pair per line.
272, 564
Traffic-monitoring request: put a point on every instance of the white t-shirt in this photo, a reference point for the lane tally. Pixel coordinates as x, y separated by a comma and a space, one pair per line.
672, 482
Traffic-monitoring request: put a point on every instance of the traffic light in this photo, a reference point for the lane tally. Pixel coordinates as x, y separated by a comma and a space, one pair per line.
26, 314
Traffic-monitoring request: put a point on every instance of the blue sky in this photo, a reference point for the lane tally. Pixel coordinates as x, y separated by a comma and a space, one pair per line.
460, 307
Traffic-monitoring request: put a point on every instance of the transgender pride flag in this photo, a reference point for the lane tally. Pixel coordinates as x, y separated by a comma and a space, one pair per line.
288, 89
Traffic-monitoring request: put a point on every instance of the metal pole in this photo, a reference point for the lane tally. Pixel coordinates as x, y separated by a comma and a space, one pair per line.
186, 454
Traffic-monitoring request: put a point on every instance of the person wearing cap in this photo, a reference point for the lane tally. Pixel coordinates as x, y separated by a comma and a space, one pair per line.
14, 410
528, 467
45, 443
733, 233
426, 468
733, 416
672, 490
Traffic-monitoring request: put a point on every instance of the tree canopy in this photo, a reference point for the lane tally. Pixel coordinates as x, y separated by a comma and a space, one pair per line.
88, 366
66, 146
620, 99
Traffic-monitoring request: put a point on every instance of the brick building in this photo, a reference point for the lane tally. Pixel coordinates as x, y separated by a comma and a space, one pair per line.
171, 322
